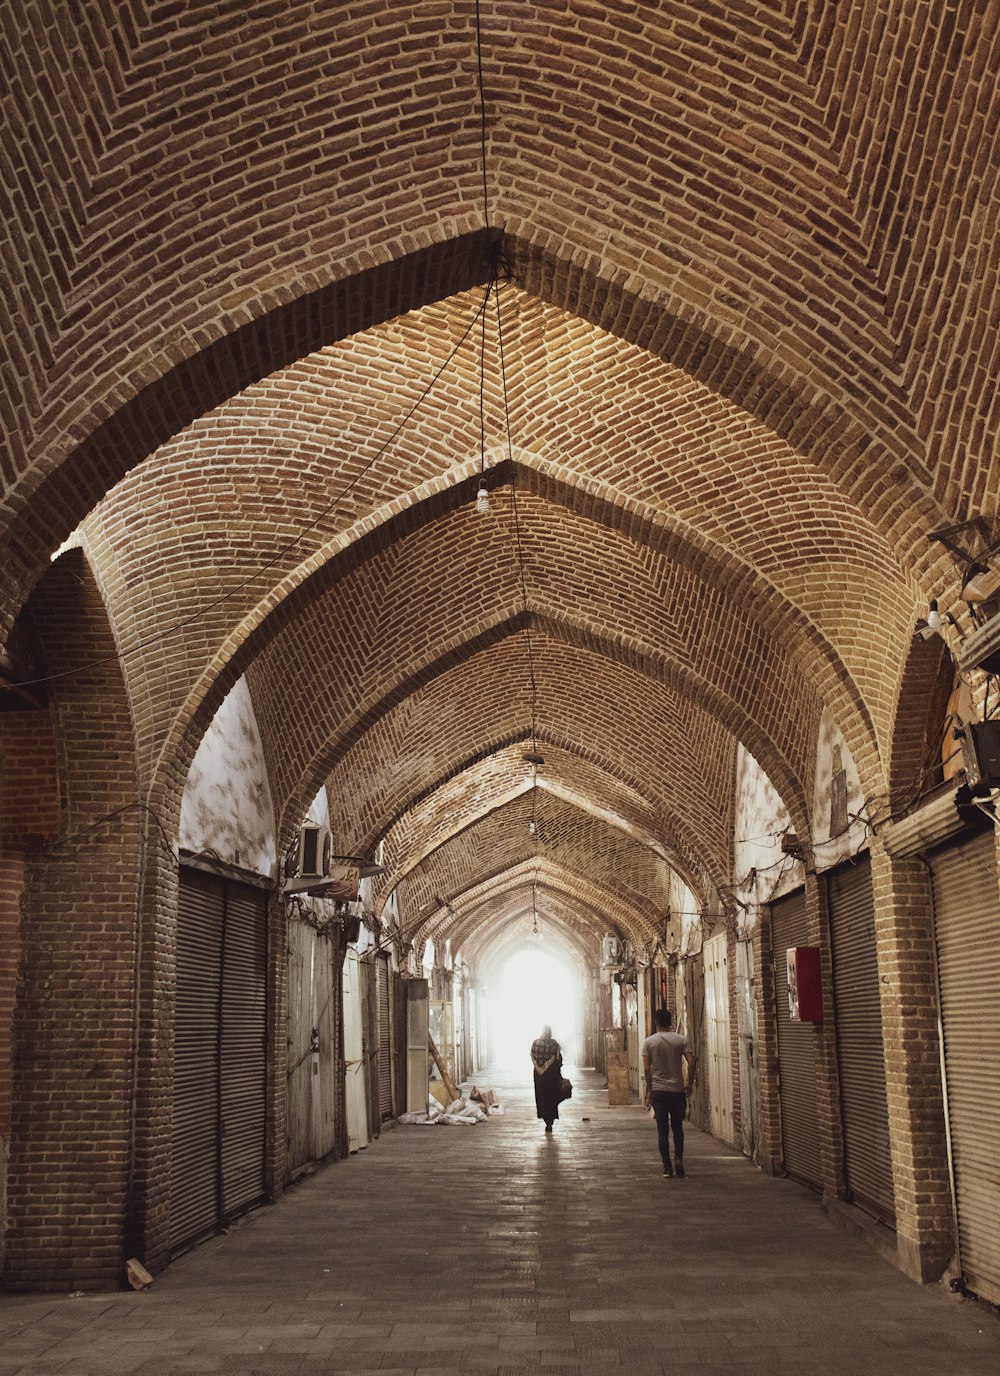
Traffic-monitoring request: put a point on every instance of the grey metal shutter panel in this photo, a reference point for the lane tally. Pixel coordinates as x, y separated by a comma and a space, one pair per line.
967, 919
384, 1039
797, 1061
194, 1162
399, 1009
860, 1050
243, 1044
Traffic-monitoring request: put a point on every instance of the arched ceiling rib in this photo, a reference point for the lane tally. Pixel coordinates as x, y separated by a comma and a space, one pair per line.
725, 185
629, 598
536, 883
609, 731
754, 256
501, 933
758, 697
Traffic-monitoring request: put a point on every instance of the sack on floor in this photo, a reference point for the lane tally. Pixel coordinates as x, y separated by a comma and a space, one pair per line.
565, 1089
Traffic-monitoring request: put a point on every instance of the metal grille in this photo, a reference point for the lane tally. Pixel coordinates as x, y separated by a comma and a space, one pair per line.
860, 1053
384, 1039
967, 918
797, 1057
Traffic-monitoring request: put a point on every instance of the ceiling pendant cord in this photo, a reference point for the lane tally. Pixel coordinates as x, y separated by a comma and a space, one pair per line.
522, 577
483, 495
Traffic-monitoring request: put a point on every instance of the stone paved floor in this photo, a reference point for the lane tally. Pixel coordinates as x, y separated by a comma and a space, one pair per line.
498, 1251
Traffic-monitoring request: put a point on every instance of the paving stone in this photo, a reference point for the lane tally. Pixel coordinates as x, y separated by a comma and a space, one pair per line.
497, 1251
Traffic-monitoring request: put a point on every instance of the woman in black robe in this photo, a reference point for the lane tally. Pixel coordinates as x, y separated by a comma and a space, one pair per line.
546, 1057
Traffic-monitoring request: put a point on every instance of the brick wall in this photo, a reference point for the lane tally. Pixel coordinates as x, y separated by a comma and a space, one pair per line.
74, 1014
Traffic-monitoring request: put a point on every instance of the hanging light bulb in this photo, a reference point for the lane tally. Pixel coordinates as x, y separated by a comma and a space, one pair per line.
531, 827
933, 617
483, 498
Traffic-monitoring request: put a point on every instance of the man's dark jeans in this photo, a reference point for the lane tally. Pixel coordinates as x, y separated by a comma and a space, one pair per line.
668, 1109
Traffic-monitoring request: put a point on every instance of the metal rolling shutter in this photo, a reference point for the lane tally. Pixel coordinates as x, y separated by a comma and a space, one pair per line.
860, 1051
194, 1166
220, 1055
243, 1048
384, 1040
398, 985
967, 920
796, 1050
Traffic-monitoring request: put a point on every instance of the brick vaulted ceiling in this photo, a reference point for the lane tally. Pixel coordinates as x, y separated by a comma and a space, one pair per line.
749, 284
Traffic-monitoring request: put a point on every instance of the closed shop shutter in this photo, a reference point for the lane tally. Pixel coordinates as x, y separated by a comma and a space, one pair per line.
719, 1050
194, 1163
384, 1039
860, 1052
967, 919
398, 985
243, 1068
220, 1055
797, 1059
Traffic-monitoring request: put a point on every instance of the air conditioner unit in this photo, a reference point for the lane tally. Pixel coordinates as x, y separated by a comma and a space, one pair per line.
315, 851
981, 754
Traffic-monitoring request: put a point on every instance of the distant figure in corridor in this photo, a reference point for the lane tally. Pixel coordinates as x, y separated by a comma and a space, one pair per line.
663, 1057
546, 1057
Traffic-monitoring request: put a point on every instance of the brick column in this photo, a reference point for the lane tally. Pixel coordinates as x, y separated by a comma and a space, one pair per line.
768, 1154
73, 1046
828, 1115
904, 929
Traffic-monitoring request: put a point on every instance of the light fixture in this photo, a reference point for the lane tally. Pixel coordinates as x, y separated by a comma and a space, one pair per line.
933, 617
531, 827
483, 498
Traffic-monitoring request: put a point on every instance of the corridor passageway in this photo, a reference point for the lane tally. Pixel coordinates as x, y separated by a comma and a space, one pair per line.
499, 527
498, 1250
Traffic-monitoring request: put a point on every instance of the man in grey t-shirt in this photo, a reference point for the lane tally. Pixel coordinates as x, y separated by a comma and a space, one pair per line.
663, 1057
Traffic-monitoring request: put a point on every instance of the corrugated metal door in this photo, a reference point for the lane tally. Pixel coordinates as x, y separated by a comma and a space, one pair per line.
797, 1060
384, 1039
399, 1009
327, 1095
220, 1057
194, 1160
720, 1053
967, 917
302, 1057
354, 1056
860, 1052
243, 1049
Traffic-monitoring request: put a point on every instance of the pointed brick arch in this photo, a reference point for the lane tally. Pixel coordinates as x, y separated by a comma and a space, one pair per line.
607, 861
451, 814
48, 510
631, 698
589, 909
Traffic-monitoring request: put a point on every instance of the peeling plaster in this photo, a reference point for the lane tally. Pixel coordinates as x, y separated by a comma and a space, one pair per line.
226, 810
836, 838
761, 869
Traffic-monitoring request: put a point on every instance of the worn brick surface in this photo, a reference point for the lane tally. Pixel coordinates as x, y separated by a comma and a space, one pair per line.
750, 258
501, 1250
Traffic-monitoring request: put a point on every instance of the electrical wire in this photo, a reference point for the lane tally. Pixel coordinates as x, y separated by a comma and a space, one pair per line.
518, 539
137, 805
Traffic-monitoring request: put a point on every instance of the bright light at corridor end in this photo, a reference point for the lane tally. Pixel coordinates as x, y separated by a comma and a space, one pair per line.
530, 990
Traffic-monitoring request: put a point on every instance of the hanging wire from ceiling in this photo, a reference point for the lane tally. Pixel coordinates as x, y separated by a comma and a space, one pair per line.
149, 641
483, 497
